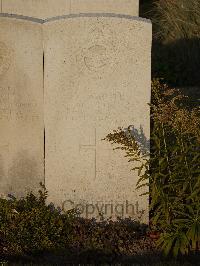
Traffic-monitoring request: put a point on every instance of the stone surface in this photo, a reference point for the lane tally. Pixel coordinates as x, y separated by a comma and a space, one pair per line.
97, 78
50, 8
36, 8
21, 106
126, 7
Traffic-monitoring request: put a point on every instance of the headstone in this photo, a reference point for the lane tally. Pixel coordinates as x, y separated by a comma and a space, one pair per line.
36, 8
126, 7
97, 78
50, 8
21, 106
79, 77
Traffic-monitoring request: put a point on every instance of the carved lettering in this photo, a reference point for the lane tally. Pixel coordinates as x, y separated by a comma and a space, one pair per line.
14, 108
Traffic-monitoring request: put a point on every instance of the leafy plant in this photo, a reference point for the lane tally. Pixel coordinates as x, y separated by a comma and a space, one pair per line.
136, 151
173, 169
30, 226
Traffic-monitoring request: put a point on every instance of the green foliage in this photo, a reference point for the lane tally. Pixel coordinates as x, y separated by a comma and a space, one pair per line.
30, 226
134, 152
112, 237
173, 168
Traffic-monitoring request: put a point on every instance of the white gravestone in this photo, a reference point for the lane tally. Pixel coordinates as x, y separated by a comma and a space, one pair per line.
21, 106
97, 78
36, 8
51, 8
78, 77
126, 7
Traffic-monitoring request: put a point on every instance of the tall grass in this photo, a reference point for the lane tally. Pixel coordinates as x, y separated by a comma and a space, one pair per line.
178, 19
176, 42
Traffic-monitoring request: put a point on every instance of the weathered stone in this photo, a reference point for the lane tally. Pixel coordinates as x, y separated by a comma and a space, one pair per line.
50, 8
126, 7
79, 77
36, 8
97, 78
21, 106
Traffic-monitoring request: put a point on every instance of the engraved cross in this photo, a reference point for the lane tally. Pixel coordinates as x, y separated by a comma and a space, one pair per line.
94, 148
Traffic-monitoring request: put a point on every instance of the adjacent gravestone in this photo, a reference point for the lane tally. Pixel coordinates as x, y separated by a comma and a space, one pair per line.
50, 8
36, 8
21, 106
97, 78
126, 7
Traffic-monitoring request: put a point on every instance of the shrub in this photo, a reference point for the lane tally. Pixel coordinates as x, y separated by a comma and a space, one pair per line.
30, 226
173, 168
123, 236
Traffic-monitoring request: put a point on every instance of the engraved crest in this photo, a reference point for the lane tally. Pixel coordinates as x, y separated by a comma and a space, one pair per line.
96, 57
98, 52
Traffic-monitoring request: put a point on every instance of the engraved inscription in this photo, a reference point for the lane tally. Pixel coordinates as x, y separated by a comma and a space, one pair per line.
14, 108
94, 148
5, 58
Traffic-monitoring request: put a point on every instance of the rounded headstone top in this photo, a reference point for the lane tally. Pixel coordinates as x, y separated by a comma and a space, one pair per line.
44, 9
